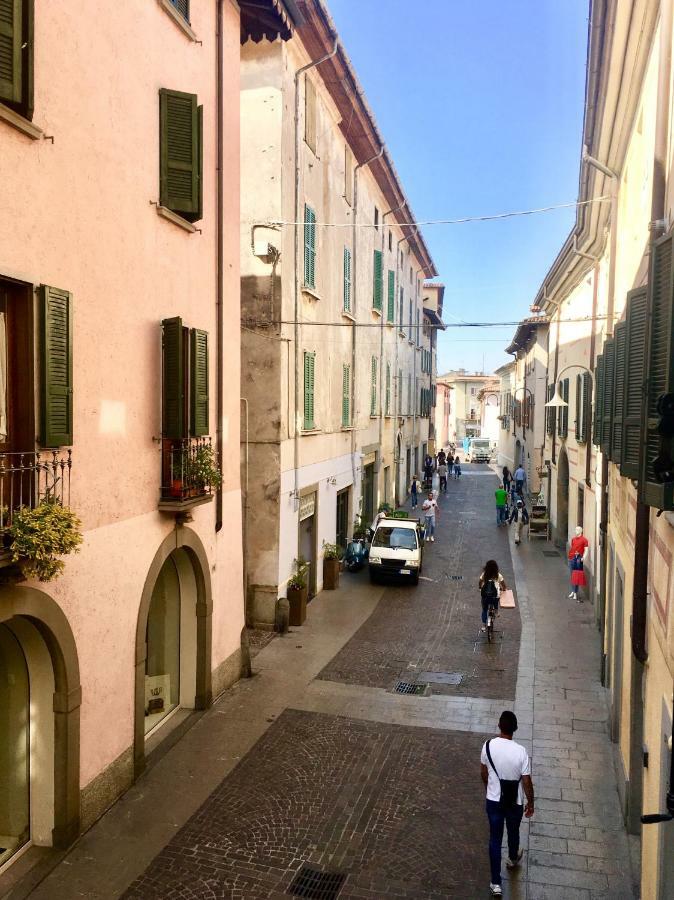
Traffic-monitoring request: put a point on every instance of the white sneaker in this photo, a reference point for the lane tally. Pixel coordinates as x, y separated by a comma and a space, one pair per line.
433, 539
484, 628
514, 863
572, 596
496, 890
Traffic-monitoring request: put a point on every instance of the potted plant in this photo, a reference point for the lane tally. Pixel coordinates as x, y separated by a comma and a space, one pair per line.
332, 554
40, 535
202, 469
385, 508
297, 592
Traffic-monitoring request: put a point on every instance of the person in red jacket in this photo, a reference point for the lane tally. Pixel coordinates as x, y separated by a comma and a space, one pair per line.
577, 557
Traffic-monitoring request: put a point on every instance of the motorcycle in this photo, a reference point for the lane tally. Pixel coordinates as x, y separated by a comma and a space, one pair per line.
357, 554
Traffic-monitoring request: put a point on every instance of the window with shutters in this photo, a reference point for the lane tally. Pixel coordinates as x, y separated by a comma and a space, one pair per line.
409, 331
347, 280
373, 387
348, 175
417, 336
607, 402
16, 56
310, 113
190, 471
619, 367
376, 218
377, 280
563, 411
309, 375
410, 399
635, 355
391, 297
309, 248
180, 154
346, 396
598, 401
387, 406
183, 7
401, 311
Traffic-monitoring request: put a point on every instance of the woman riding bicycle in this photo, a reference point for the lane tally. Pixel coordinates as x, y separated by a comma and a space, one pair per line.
491, 584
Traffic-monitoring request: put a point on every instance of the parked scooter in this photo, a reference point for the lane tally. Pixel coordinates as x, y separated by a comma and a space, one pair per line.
357, 554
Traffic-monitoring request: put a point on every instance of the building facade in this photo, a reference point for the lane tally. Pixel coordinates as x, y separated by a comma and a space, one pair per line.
118, 307
505, 449
610, 302
336, 359
465, 416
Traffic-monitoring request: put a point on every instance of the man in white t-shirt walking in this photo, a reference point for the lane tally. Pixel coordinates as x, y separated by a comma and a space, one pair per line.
506, 773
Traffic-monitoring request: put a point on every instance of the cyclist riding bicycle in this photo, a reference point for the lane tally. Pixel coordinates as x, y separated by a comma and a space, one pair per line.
491, 584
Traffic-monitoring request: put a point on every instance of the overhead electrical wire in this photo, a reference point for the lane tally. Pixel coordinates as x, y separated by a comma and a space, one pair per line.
278, 223
407, 327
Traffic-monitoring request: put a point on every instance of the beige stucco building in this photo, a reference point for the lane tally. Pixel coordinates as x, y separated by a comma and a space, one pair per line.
610, 302
336, 353
119, 348
465, 415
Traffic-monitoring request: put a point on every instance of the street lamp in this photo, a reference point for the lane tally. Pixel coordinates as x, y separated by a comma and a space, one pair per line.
558, 402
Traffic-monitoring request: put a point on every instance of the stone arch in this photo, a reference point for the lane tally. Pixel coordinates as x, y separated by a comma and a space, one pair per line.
48, 619
562, 523
182, 538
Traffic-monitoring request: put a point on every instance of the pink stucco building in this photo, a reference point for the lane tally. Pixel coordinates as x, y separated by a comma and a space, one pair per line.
119, 388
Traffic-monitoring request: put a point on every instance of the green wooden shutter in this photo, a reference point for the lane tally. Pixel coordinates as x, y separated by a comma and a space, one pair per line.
637, 302
659, 372
619, 368
309, 372
607, 403
56, 367
11, 29
417, 339
174, 425
347, 280
346, 395
179, 155
377, 277
549, 412
587, 405
563, 413
390, 312
579, 406
199, 401
388, 389
309, 247
183, 7
598, 401
373, 387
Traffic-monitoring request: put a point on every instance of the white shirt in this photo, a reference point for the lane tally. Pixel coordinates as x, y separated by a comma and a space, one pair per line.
429, 507
511, 761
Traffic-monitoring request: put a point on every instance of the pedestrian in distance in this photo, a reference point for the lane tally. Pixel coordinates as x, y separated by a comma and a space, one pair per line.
506, 773
442, 474
430, 508
520, 480
415, 490
450, 461
520, 517
507, 478
577, 557
442, 458
457, 467
491, 584
501, 505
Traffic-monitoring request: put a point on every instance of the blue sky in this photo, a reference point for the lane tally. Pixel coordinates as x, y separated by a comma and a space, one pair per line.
481, 107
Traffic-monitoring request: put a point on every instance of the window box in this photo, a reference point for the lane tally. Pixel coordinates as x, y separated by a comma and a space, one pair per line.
186, 482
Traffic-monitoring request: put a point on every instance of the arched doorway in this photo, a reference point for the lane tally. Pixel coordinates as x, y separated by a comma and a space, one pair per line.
40, 698
562, 525
173, 638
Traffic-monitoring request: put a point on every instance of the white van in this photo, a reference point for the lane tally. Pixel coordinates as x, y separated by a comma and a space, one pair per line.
479, 450
396, 550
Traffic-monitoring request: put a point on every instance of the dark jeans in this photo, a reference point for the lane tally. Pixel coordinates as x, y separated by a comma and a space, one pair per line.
519, 487
414, 500
485, 608
499, 817
443, 482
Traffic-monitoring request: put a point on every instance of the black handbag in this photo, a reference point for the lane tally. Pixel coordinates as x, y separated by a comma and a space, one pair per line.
509, 788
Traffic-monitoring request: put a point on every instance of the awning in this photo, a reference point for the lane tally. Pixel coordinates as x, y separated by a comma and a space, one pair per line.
267, 19
434, 317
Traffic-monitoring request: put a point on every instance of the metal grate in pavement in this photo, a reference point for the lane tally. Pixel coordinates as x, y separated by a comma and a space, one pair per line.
406, 687
316, 885
551, 553
441, 677
455, 577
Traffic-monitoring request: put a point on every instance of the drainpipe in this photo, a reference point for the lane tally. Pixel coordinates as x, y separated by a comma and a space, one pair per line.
219, 279
588, 406
382, 375
296, 318
354, 329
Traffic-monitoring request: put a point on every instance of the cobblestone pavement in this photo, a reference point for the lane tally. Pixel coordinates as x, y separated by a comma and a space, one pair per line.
383, 805
258, 638
434, 627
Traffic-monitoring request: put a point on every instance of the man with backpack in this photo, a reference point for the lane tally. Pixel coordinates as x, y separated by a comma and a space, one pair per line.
506, 773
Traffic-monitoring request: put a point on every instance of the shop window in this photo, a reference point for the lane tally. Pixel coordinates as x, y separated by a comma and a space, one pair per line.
162, 664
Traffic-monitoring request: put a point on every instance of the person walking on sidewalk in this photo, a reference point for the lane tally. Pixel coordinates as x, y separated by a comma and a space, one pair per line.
430, 508
442, 474
491, 584
457, 466
415, 489
520, 480
506, 773
501, 504
520, 517
577, 556
507, 478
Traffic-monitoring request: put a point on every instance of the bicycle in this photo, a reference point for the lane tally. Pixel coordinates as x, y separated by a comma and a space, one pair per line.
491, 615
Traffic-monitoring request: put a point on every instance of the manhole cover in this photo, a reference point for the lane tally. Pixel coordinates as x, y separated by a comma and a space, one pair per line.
456, 577
406, 687
550, 553
441, 677
315, 884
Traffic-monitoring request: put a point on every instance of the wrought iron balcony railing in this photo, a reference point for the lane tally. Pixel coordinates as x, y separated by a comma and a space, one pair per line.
27, 478
189, 473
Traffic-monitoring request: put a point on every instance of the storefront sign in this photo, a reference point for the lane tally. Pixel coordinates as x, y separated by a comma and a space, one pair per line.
307, 506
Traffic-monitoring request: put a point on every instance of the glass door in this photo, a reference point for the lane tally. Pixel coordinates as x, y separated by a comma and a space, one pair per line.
14, 746
162, 664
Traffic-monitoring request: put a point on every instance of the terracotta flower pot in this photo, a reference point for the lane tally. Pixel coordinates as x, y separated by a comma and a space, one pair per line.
330, 574
297, 598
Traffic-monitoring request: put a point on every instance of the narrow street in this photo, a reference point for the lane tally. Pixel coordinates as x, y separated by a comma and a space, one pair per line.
317, 762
